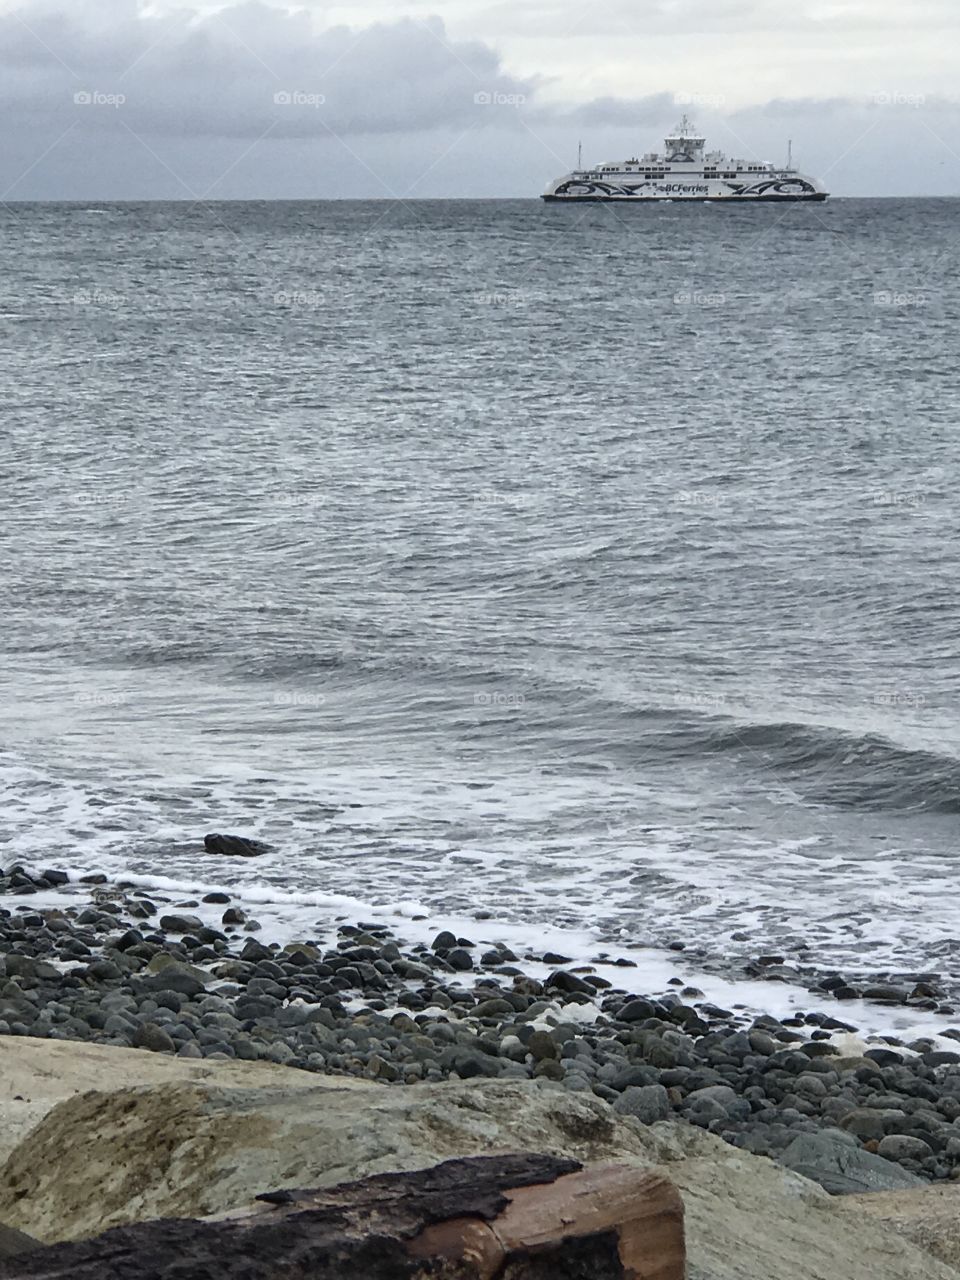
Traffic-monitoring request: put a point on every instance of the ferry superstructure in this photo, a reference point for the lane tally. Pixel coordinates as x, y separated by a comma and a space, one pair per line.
685, 171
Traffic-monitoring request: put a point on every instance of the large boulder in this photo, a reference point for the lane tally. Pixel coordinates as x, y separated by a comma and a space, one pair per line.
749, 1219
36, 1075
928, 1216
103, 1159
198, 1148
841, 1166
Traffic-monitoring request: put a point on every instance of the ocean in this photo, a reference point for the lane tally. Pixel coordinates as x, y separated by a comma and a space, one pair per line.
580, 575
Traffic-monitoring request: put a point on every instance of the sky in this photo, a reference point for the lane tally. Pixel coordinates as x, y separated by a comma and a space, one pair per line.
121, 100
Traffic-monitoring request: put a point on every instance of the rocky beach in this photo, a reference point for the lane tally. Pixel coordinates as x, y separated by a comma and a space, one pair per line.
117, 965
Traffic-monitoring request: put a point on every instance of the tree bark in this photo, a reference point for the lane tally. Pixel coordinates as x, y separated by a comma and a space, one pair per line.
519, 1217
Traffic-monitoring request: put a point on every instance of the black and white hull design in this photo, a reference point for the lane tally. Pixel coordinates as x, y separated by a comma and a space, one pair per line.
685, 172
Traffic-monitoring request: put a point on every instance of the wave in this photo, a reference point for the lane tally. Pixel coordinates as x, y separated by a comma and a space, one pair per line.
161, 653
845, 769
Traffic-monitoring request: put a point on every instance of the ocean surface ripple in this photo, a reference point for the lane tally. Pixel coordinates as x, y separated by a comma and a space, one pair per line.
595, 568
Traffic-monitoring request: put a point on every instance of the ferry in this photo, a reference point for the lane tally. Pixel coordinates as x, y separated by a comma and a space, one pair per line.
685, 171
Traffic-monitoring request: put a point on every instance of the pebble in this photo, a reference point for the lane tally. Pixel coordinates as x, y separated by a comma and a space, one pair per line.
169, 984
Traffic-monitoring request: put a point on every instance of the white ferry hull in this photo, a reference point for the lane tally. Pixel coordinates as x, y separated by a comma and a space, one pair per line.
769, 190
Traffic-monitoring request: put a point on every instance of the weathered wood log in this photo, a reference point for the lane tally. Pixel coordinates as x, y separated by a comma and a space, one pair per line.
633, 1218
521, 1217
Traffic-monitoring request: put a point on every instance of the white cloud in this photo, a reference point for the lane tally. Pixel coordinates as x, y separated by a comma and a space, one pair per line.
573, 19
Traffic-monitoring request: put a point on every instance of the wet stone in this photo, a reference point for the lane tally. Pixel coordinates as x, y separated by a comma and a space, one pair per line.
637, 1011
884, 1057
757, 1083
568, 984
180, 924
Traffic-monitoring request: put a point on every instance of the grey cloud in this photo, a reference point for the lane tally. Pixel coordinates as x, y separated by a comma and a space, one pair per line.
898, 99
629, 112
779, 108
253, 70
249, 70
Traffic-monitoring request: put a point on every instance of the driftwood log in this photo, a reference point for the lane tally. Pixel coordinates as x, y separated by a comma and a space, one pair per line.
522, 1217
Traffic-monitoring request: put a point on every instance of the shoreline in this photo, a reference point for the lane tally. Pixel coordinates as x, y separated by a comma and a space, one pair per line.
893, 1006
125, 967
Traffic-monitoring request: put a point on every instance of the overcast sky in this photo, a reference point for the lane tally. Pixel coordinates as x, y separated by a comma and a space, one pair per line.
114, 99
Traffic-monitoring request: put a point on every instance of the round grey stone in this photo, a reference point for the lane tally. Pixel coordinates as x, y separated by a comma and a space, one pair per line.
542, 1045
648, 1103
897, 1146
864, 1124
810, 1085
154, 1038
721, 1093
706, 1110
